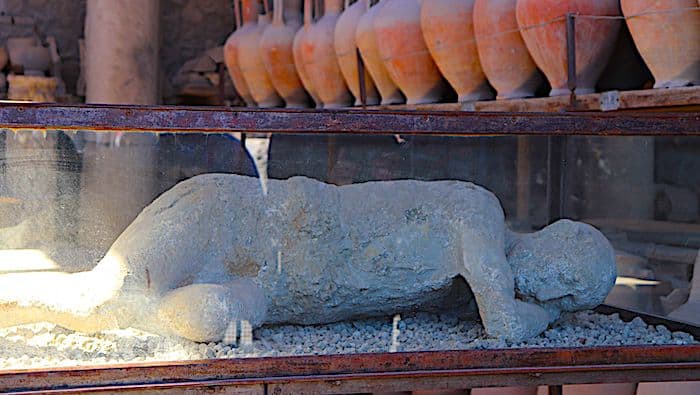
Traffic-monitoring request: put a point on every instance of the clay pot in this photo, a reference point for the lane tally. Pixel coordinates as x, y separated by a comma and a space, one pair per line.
321, 62
674, 387
250, 60
28, 53
595, 39
36, 60
502, 51
669, 42
402, 48
448, 31
346, 52
277, 54
626, 69
602, 389
15, 45
300, 40
366, 42
231, 59
505, 391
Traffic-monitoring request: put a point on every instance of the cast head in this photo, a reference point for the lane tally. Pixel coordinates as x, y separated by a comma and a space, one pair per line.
567, 266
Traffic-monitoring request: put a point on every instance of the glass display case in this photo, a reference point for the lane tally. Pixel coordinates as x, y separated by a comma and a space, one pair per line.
131, 235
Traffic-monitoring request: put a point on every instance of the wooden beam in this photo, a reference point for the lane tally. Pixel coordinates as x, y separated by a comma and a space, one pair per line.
661, 232
667, 99
659, 252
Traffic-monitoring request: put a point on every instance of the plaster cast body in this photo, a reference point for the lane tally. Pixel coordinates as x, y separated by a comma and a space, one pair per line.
213, 250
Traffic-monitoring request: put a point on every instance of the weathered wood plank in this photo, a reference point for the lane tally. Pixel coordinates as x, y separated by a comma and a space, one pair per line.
661, 232
660, 97
683, 97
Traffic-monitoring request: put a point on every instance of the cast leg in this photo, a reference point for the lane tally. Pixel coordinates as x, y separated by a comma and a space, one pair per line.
75, 301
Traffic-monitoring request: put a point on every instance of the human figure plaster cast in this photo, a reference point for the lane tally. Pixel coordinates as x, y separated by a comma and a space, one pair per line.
214, 249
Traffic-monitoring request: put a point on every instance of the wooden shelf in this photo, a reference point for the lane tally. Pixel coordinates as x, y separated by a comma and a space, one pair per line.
670, 99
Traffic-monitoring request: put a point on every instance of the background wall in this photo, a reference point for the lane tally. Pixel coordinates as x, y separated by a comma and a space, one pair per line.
188, 27
63, 19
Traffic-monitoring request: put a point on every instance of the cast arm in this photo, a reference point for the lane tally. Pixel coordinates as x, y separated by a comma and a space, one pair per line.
488, 273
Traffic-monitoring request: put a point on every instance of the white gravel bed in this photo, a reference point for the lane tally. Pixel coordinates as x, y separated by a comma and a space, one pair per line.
46, 345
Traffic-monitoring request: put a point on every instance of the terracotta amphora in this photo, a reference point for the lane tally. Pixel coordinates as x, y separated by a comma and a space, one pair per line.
346, 52
406, 57
250, 59
505, 391
276, 51
321, 62
302, 40
602, 389
674, 388
28, 53
448, 30
367, 43
543, 27
502, 51
231, 59
667, 35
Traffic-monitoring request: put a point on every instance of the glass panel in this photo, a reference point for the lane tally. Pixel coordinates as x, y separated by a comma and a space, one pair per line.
128, 247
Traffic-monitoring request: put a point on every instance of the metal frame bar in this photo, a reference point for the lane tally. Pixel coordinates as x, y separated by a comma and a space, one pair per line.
383, 371
446, 123
389, 371
380, 372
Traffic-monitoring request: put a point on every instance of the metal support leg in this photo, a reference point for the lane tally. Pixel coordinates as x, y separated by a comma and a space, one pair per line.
571, 57
361, 79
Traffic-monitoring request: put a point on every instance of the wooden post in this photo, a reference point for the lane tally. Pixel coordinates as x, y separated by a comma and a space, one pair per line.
121, 41
523, 180
119, 174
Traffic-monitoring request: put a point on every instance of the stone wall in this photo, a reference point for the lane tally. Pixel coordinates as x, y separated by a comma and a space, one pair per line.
188, 27
62, 19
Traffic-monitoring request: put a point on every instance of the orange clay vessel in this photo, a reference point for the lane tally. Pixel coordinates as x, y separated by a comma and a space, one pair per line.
346, 52
405, 55
669, 41
301, 40
448, 31
276, 51
321, 62
543, 27
249, 58
231, 60
367, 44
502, 51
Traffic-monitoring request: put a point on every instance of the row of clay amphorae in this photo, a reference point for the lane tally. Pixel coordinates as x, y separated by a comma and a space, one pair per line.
666, 33
413, 49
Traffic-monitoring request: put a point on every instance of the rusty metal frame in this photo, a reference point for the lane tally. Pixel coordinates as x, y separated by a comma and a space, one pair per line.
381, 371
346, 121
363, 372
